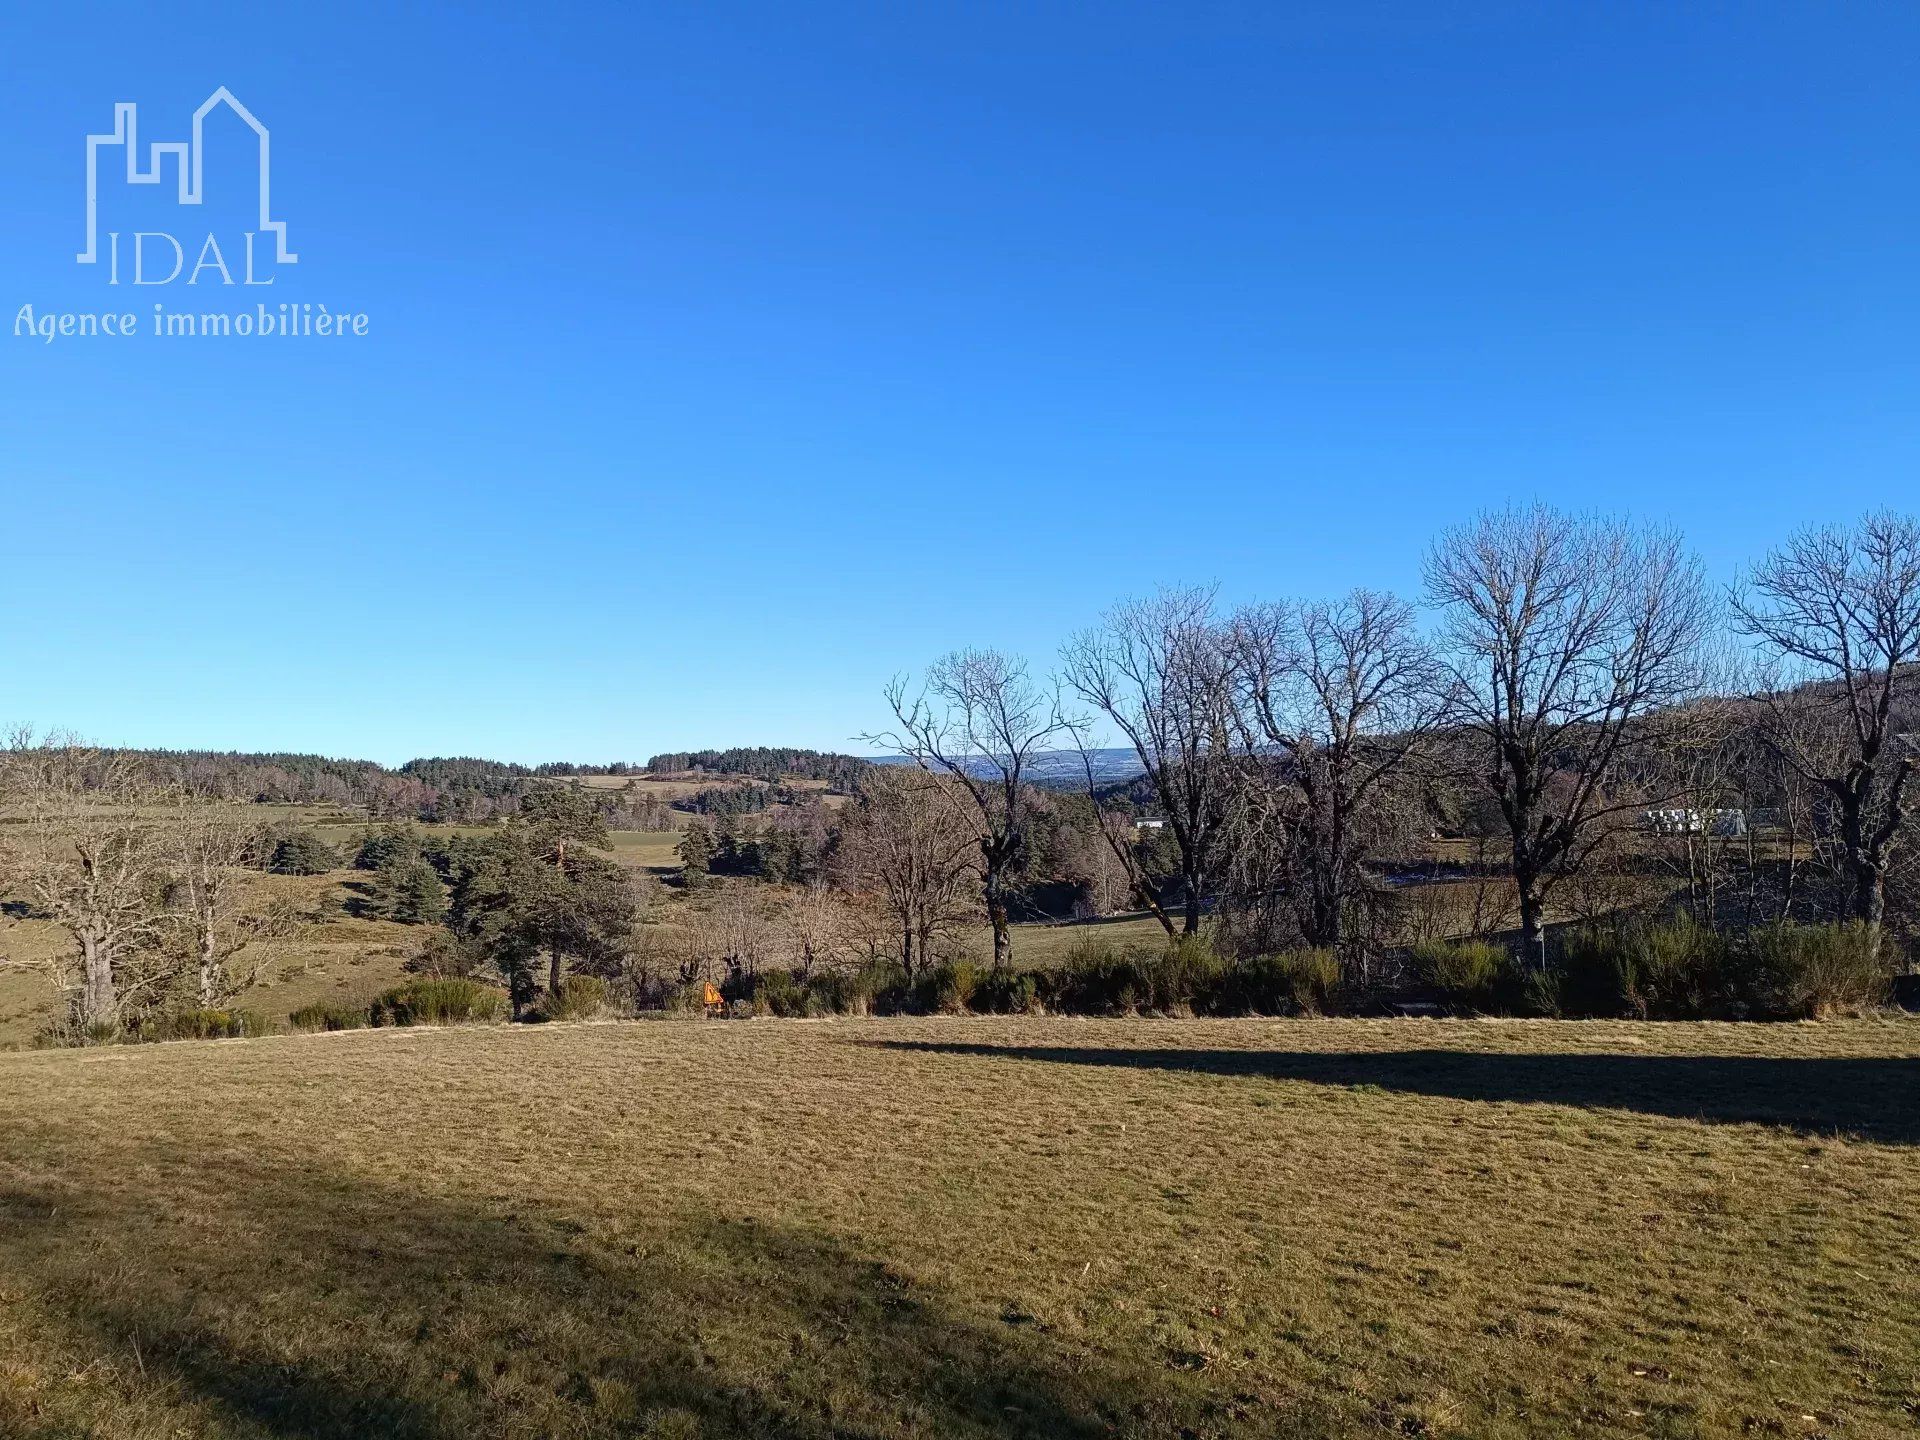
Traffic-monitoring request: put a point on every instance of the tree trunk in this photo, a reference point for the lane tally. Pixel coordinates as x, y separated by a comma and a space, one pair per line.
1793, 875
98, 1003
553, 973
997, 917
1532, 932
1869, 899
1190, 925
1869, 881
209, 970
1326, 927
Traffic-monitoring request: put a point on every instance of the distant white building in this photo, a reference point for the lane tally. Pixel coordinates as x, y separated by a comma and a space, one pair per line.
1149, 824
1727, 824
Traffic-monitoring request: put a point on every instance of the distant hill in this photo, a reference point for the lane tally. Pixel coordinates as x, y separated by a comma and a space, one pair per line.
1060, 769
765, 762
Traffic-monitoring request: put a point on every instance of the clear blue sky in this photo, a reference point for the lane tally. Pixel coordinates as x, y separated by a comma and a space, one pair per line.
725, 360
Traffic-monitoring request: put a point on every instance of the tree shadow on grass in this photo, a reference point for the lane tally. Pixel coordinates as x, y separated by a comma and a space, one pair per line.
287, 1307
1871, 1099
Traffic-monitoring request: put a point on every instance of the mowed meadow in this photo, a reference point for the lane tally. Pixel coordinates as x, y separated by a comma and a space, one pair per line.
1031, 1226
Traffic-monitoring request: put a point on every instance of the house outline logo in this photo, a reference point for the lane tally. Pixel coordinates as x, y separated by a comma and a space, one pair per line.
189, 156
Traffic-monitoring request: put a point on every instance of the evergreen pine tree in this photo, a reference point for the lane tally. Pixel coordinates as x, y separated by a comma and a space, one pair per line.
697, 850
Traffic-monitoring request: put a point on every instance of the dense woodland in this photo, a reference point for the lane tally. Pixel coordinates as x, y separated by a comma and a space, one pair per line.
771, 763
1573, 779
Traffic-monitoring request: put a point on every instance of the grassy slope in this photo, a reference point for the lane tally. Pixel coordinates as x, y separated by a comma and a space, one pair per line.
341, 960
347, 960
953, 1228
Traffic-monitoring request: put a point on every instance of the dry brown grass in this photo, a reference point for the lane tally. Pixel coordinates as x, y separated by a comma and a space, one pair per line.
1041, 945
975, 1227
657, 851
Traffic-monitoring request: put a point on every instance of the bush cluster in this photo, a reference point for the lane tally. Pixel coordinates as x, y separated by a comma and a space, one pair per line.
1798, 972
1472, 977
1188, 977
201, 1024
1675, 969
1682, 970
1096, 978
1293, 982
309, 1018
792, 994
1671, 970
439, 1002
581, 997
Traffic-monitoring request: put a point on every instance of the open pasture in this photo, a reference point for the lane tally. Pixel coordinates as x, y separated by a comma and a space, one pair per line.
968, 1228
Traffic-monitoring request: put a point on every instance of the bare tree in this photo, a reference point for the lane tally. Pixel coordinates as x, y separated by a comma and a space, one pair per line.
743, 928
1836, 615
212, 904
1110, 862
903, 843
1163, 672
979, 719
89, 855
1340, 698
1567, 641
819, 931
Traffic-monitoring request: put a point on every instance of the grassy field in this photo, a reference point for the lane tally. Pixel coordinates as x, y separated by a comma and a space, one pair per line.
967, 1228
654, 850
1043, 945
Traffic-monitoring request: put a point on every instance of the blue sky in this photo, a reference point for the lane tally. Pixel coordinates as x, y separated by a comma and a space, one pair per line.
724, 360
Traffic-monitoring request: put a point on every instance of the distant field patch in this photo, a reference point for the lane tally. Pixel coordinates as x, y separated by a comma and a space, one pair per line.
649, 849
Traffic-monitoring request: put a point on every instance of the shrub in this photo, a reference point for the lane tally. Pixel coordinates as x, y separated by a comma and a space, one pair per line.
1311, 977
1589, 975
1676, 970
1008, 992
309, 1018
1185, 976
1800, 972
1291, 982
789, 994
1540, 993
850, 992
773, 992
689, 998
203, 1024
948, 987
581, 997
439, 1002
1469, 974
1095, 978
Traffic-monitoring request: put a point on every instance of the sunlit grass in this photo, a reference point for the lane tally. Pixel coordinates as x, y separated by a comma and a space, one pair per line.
967, 1227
